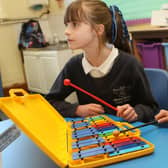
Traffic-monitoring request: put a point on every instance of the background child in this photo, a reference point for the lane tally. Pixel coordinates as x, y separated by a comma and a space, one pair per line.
162, 116
107, 71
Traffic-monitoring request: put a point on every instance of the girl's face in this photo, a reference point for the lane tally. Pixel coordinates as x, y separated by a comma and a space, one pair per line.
80, 35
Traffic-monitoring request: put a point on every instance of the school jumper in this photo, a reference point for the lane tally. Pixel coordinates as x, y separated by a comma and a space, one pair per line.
125, 83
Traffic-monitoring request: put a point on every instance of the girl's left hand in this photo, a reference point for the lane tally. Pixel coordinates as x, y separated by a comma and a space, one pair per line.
162, 116
127, 112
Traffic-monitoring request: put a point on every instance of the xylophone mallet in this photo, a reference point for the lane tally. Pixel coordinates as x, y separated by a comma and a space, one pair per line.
67, 82
117, 132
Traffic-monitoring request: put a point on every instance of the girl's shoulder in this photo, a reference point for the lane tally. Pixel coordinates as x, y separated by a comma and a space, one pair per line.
127, 57
128, 61
76, 58
75, 61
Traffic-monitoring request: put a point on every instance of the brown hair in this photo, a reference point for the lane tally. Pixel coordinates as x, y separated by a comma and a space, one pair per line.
96, 12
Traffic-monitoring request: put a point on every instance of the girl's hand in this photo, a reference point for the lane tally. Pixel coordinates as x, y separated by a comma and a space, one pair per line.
127, 112
89, 110
162, 116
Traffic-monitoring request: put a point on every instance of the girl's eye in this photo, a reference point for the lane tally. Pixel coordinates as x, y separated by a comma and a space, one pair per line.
72, 24
75, 24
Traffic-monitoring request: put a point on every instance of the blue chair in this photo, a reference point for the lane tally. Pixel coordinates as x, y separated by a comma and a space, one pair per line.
158, 80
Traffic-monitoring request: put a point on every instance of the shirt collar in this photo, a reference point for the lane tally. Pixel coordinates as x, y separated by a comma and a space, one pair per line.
103, 68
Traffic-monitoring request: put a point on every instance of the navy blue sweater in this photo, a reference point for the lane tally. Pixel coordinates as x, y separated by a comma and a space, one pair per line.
126, 83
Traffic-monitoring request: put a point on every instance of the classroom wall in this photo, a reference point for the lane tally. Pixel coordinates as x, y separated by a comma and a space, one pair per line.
11, 65
17, 9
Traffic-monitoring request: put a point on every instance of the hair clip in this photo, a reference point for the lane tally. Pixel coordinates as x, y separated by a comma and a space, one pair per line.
114, 24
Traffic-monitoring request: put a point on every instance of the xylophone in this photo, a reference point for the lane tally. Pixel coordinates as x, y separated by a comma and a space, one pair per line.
93, 142
80, 143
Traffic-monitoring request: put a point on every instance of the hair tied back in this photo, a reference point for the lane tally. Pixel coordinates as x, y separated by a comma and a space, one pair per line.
125, 34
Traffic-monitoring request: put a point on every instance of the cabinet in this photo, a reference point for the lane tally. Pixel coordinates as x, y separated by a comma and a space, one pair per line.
42, 66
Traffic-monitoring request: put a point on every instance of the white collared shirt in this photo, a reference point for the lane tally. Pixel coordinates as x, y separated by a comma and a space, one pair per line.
104, 68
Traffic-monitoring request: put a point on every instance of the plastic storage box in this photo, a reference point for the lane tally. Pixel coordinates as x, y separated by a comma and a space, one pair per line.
165, 45
86, 142
152, 55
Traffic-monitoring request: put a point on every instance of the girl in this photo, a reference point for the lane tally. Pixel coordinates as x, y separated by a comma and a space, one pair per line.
107, 71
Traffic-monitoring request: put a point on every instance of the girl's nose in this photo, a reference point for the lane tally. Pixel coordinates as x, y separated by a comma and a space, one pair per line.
67, 31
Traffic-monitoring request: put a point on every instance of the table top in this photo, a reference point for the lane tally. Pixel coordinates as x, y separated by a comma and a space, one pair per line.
24, 153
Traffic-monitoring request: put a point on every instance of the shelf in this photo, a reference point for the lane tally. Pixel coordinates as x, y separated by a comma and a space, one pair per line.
148, 31
145, 28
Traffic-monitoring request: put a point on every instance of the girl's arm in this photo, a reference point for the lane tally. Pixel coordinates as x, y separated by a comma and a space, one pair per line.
59, 92
145, 105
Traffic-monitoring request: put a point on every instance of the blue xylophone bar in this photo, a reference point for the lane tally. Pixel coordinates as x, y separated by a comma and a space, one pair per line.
87, 142
129, 150
84, 133
85, 130
92, 152
78, 125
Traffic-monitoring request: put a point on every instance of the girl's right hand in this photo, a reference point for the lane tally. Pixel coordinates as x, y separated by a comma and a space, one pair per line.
127, 112
162, 116
89, 110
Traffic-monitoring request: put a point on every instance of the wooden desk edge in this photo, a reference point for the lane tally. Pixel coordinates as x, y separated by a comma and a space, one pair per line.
146, 27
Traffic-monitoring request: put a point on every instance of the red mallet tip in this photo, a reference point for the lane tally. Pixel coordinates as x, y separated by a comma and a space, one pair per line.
67, 82
116, 133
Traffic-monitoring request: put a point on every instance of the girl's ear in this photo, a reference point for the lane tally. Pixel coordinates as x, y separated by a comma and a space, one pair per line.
100, 29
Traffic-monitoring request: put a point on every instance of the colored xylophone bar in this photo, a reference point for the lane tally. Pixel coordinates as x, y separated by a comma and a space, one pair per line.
93, 136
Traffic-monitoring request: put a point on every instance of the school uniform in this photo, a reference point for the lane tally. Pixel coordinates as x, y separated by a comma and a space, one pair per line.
119, 80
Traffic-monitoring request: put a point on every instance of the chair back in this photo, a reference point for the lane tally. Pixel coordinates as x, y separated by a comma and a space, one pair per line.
158, 80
